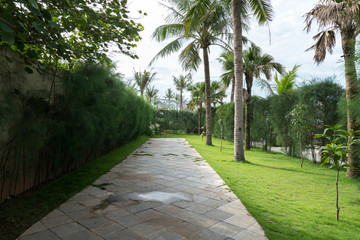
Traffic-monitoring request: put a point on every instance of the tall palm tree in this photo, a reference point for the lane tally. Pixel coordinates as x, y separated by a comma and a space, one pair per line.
344, 17
263, 13
181, 83
227, 78
217, 93
143, 79
169, 95
255, 64
151, 93
202, 23
197, 99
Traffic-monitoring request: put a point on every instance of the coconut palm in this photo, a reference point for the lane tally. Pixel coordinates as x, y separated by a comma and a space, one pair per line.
199, 23
143, 79
217, 93
343, 17
263, 13
227, 78
255, 63
181, 83
169, 95
151, 93
197, 99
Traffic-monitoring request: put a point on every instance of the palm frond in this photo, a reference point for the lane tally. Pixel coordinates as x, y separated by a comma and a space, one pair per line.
170, 48
189, 56
262, 10
325, 40
167, 31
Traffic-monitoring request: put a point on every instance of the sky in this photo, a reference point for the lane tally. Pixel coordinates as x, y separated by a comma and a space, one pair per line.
286, 42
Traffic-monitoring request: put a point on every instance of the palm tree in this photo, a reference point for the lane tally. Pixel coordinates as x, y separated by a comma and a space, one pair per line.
227, 78
143, 79
263, 13
203, 23
151, 93
255, 64
342, 16
287, 82
181, 83
197, 98
169, 95
217, 93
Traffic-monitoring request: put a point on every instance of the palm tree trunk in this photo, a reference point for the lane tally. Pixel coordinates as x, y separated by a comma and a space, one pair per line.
232, 90
207, 96
238, 65
247, 119
181, 104
199, 118
352, 90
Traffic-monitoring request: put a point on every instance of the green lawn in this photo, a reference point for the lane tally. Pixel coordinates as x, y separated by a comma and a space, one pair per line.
287, 201
26, 209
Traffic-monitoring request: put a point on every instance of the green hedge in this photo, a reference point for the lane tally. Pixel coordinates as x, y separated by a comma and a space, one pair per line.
178, 121
93, 113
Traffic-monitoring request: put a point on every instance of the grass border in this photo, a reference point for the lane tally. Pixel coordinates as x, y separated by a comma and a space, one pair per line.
29, 207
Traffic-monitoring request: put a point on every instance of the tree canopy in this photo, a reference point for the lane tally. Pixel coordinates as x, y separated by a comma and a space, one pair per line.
49, 30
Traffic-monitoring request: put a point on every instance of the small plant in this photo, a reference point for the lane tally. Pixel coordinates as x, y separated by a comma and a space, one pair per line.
335, 152
299, 118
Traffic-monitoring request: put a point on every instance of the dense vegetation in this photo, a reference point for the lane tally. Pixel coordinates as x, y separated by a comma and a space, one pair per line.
92, 113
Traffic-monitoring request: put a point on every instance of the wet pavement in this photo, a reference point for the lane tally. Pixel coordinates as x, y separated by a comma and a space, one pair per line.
163, 190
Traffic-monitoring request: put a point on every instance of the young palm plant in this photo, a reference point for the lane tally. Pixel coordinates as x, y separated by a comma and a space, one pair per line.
263, 13
181, 84
344, 17
287, 82
200, 23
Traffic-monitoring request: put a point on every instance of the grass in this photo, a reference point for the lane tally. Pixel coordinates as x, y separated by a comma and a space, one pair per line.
22, 212
289, 202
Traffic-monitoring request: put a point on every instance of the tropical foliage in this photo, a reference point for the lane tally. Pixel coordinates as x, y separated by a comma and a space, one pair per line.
143, 79
50, 31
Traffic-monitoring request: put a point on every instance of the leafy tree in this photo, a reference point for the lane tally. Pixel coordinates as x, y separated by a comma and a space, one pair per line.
255, 63
181, 83
203, 23
169, 95
263, 13
50, 31
300, 119
143, 79
336, 152
344, 17
151, 93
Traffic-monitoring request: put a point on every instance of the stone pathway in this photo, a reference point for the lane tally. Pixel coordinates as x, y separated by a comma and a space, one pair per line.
164, 190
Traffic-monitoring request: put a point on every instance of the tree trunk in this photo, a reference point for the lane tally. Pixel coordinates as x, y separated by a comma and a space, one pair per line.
348, 46
181, 105
248, 118
199, 116
238, 68
207, 96
337, 194
232, 90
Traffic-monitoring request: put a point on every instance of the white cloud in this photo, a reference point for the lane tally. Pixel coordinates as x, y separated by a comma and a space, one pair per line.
288, 45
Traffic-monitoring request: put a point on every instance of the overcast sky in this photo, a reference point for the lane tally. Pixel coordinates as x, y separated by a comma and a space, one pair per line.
288, 44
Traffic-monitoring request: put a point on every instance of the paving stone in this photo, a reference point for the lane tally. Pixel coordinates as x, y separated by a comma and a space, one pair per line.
248, 235
226, 229
218, 214
37, 227
110, 228
43, 235
199, 208
241, 220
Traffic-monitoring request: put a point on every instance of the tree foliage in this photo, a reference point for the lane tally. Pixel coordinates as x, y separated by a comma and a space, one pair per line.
53, 30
